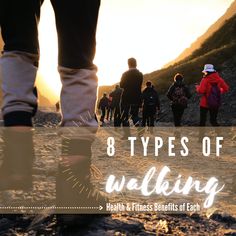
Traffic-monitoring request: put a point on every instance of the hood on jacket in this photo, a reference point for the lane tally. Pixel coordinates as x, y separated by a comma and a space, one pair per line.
213, 78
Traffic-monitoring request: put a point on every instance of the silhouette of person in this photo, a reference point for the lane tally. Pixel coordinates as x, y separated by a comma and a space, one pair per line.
103, 106
178, 94
115, 104
151, 104
131, 82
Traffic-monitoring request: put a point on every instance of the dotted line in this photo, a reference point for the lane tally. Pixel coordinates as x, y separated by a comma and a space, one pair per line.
51, 207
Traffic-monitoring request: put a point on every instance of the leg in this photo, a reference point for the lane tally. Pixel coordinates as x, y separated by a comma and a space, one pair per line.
152, 124
76, 23
144, 119
125, 120
111, 113
213, 117
117, 116
76, 26
152, 116
103, 109
176, 116
180, 115
134, 114
18, 68
19, 20
203, 116
108, 112
125, 115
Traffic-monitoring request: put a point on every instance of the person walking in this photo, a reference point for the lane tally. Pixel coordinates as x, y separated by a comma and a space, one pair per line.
151, 104
109, 109
115, 104
210, 89
131, 83
103, 106
178, 94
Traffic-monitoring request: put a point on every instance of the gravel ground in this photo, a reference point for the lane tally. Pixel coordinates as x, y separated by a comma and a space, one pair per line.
215, 223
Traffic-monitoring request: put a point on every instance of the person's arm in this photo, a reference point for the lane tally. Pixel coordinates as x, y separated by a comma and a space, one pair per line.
141, 79
202, 88
122, 81
224, 87
170, 92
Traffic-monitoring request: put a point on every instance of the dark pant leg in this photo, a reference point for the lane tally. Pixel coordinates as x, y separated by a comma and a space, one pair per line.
149, 113
175, 116
213, 117
125, 111
117, 117
152, 112
111, 113
145, 117
103, 109
151, 122
19, 21
177, 113
108, 112
134, 114
76, 22
151, 118
203, 116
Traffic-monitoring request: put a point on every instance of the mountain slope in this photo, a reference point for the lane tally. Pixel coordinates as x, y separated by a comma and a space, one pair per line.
219, 49
197, 44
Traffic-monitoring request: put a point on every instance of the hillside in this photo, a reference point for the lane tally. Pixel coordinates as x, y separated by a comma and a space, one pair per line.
213, 28
219, 49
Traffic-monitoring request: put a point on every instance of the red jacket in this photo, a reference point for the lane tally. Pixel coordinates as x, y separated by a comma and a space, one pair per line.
205, 87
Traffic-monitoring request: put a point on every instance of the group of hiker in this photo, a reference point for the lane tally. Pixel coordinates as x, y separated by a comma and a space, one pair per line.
124, 102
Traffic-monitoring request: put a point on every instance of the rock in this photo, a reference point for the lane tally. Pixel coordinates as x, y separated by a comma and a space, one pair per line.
230, 234
32, 233
222, 217
5, 224
195, 216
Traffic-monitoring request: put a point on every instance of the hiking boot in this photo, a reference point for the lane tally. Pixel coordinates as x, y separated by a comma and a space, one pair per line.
77, 198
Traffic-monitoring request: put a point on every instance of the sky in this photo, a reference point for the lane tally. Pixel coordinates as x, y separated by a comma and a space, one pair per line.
153, 31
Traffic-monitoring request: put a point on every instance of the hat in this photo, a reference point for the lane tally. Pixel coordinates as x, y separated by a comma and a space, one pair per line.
178, 77
208, 68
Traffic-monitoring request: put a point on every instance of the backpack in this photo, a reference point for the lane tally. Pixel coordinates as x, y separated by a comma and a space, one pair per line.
179, 97
150, 99
214, 97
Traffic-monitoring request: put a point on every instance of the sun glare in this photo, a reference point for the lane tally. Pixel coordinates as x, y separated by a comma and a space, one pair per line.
50, 85
153, 33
